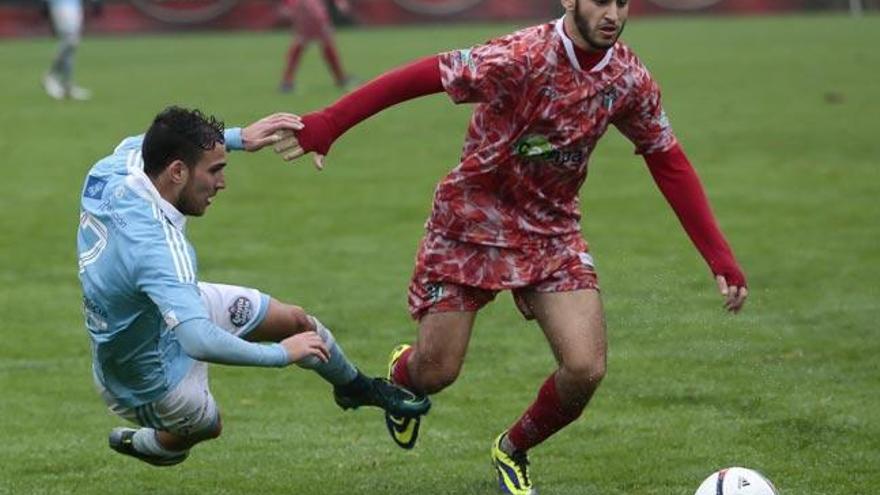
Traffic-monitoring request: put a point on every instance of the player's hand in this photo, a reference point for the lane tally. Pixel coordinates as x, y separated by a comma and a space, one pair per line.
306, 345
289, 149
734, 296
269, 130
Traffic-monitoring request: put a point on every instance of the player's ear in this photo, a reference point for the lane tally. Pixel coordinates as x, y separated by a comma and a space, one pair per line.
178, 172
568, 5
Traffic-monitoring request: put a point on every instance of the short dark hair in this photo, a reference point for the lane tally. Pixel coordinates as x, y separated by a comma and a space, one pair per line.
179, 134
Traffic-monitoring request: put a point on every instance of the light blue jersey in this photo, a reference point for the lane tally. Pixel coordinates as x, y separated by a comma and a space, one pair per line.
139, 277
72, 3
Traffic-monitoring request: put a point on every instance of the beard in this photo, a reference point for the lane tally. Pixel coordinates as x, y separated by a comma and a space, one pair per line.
189, 208
586, 32
189, 205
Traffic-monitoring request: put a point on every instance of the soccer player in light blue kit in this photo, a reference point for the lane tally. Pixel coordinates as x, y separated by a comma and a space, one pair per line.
67, 21
153, 325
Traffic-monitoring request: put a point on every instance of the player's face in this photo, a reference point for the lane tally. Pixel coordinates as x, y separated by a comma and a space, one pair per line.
205, 181
600, 22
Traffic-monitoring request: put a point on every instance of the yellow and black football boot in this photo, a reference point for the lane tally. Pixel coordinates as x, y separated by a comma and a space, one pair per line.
403, 430
512, 470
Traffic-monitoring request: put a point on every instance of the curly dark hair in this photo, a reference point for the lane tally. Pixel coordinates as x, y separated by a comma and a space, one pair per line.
179, 134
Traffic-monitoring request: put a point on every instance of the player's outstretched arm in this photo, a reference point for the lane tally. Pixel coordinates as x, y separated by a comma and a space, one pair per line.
679, 183
324, 127
269, 130
204, 341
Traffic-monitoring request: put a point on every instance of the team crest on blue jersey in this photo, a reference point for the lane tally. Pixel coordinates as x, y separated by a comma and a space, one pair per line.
94, 187
240, 311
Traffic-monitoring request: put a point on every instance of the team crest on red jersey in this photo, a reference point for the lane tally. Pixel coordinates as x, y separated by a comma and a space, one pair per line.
537, 117
609, 96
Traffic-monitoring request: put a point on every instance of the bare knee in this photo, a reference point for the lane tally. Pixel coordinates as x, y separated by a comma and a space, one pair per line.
297, 319
433, 374
585, 374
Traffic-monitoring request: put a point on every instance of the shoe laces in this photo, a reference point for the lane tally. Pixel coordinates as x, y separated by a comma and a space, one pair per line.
521, 459
387, 389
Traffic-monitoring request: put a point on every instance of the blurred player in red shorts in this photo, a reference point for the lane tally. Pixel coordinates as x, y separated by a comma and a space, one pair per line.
311, 21
507, 217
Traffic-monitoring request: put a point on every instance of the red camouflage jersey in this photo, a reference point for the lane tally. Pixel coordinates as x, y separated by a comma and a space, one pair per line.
310, 17
538, 118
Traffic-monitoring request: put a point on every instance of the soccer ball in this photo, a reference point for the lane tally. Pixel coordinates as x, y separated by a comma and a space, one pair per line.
736, 481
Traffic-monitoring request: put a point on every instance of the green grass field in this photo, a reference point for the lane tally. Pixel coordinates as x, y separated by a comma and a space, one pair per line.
780, 116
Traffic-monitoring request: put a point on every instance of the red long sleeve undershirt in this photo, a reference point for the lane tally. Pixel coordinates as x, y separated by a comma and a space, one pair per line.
679, 183
413, 80
671, 170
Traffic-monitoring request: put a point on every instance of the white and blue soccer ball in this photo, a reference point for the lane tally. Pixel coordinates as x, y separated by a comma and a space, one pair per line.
736, 481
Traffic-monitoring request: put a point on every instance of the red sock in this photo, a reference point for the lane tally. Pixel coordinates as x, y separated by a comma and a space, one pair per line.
293, 55
400, 373
332, 59
543, 418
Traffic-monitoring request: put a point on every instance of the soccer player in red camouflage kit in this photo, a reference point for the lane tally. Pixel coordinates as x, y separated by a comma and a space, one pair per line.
311, 21
507, 217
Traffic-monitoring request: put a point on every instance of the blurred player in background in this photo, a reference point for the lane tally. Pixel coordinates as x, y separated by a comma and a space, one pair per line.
311, 22
508, 216
67, 23
154, 326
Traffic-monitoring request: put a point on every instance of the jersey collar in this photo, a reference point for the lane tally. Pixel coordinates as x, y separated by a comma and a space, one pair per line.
142, 185
569, 49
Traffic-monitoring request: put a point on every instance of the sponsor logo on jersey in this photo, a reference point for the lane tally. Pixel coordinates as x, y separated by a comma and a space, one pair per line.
539, 148
94, 187
240, 311
184, 11
118, 219
437, 7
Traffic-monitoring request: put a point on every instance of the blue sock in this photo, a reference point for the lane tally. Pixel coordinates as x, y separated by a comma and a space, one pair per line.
338, 370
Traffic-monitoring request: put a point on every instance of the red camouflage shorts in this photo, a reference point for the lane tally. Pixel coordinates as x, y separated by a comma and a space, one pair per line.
452, 275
